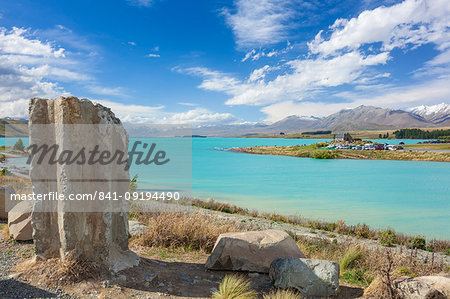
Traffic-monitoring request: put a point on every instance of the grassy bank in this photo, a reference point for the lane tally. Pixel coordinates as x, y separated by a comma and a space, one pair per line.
387, 237
315, 151
171, 235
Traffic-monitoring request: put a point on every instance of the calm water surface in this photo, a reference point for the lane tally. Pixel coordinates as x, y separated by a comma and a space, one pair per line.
409, 196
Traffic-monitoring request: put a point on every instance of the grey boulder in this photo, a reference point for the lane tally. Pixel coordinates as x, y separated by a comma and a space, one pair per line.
413, 288
311, 277
251, 251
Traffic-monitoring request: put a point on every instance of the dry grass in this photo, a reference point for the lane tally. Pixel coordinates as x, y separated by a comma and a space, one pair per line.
283, 294
359, 266
235, 287
74, 268
182, 230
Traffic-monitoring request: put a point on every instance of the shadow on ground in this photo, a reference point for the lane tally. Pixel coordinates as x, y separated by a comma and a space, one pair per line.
12, 288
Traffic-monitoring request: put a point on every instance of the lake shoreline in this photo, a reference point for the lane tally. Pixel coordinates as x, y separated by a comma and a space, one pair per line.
318, 153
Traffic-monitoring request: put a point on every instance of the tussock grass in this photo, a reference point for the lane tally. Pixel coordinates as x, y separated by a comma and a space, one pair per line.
234, 287
350, 258
283, 294
359, 266
194, 231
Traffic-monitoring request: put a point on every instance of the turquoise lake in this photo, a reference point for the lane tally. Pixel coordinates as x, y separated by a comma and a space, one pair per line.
409, 196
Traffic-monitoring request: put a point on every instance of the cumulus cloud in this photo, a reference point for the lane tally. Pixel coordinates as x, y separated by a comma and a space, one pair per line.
412, 22
349, 53
259, 22
152, 55
30, 67
25, 63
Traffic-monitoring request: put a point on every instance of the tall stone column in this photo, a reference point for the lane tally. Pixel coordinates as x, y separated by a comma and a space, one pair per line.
96, 230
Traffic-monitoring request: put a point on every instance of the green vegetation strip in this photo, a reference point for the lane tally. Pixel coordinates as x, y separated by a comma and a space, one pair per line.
316, 151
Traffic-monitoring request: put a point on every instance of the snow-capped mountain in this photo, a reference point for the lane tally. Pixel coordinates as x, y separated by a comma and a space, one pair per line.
438, 114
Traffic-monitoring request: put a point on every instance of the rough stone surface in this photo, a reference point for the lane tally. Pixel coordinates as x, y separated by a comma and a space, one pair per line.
5, 191
440, 283
19, 221
136, 228
60, 228
413, 288
309, 276
251, 251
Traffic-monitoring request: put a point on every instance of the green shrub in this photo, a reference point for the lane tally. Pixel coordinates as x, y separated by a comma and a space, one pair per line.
357, 277
324, 154
387, 237
419, 243
234, 287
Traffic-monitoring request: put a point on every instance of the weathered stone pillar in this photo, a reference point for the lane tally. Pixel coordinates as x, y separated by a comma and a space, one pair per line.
96, 230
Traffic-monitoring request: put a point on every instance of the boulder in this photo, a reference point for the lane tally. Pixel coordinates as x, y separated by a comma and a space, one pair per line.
309, 276
5, 192
136, 228
251, 251
90, 142
413, 288
19, 221
440, 283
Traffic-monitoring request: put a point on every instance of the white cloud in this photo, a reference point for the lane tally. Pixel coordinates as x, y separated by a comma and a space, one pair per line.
414, 22
110, 91
187, 104
158, 115
152, 55
132, 43
346, 55
259, 22
303, 77
16, 42
200, 116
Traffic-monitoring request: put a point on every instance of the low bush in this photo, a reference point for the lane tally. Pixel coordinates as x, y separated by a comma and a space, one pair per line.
419, 243
387, 237
324, 154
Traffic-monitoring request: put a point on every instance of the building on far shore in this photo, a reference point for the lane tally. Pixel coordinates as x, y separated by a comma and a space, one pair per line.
344, 137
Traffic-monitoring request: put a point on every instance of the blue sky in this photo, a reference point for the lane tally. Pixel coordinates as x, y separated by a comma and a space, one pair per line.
221, 62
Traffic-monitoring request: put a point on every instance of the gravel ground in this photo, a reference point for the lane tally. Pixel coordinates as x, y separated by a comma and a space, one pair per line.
13, 286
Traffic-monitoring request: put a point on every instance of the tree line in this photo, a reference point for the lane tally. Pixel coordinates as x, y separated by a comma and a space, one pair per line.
421, 134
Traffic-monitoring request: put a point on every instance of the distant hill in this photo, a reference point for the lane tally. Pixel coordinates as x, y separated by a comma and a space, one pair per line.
372, 118
13, 127
357, 119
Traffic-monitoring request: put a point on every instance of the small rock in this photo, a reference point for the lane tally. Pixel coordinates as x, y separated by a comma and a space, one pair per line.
253, 275
213, 289
161, 284
311, 277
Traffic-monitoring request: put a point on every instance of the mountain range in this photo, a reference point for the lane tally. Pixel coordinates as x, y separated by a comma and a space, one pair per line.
356, 119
